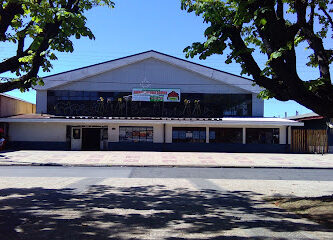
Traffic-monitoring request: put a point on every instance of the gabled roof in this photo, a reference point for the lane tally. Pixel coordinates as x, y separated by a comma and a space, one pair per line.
96, 69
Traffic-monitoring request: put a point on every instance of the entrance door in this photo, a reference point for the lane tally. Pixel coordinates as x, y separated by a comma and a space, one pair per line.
76, 140
91, 138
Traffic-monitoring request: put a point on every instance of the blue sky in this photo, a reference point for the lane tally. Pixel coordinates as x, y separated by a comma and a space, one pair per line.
137, 26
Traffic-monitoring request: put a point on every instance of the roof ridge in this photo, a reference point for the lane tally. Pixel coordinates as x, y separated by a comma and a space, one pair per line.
133, 55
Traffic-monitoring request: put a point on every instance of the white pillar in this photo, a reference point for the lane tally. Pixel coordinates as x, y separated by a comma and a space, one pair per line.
207, 134
283, 135
244, 135
289, 135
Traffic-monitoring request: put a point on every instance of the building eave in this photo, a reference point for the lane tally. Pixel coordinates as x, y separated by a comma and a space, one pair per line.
220, 122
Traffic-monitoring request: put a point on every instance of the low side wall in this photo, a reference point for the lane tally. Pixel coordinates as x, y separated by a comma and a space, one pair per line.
25, 145
37, 136
159, 147
200, 147
37, 132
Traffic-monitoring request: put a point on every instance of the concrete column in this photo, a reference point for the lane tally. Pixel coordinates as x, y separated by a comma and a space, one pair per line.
158, 134
113, 133
289, 135
41, 101
244, 135
168, 133
207, 134
283, 135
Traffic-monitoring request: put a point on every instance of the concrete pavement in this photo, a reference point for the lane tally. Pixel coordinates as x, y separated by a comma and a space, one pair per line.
170, 173
178, 159
129, 203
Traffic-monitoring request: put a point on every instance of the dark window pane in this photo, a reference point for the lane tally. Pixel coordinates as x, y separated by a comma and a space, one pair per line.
212, 135
203, 135
175, 134
262, 135
226, 135
188, 135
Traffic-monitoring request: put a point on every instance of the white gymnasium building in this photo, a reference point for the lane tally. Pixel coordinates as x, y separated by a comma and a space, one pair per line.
149, 101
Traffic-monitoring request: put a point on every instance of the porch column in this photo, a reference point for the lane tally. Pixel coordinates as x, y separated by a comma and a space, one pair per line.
207, 134
289, 135
244, 135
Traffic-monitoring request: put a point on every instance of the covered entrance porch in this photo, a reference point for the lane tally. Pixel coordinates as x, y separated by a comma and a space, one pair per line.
88, 138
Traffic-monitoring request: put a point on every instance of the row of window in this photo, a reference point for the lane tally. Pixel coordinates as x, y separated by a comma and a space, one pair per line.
226, 135
198, 135
184, 135
86, 103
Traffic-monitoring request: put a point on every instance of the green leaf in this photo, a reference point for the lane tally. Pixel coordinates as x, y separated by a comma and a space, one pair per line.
26, 59
276, 54
263, 21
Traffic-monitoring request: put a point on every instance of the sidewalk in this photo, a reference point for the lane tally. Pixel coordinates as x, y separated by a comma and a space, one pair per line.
167, 159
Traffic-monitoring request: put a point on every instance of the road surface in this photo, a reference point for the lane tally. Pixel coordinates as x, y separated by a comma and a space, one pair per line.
156, 203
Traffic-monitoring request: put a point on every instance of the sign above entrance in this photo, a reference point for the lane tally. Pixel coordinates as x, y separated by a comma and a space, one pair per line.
155, 95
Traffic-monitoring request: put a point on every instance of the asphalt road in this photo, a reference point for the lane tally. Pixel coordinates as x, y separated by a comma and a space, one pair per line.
126, 203
166, 172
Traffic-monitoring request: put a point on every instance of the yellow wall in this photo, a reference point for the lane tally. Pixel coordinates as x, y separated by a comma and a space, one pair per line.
11, 106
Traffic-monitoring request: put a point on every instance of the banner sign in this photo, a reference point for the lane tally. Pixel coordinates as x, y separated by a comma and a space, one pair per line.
155, 95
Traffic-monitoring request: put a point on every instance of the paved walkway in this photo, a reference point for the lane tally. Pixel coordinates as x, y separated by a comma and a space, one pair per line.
123, 158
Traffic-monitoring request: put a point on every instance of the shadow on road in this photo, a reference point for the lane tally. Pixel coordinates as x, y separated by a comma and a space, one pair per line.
106, 212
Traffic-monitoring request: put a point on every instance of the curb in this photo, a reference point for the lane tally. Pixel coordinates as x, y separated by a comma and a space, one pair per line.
159, 166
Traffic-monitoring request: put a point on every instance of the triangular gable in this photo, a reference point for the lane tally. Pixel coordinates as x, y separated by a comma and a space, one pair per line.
90, 71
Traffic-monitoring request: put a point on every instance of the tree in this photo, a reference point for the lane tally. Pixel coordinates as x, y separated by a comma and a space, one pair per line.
273, 28
39, 28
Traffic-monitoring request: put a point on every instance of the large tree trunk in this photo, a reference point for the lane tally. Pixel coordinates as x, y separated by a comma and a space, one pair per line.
321, 103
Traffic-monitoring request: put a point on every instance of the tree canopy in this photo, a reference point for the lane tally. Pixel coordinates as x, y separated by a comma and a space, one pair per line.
40, 28
273, 28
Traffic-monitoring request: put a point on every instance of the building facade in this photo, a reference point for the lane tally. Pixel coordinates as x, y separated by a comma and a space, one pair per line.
150, 101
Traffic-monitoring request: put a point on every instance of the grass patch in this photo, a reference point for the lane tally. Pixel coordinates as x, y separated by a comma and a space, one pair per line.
318, 209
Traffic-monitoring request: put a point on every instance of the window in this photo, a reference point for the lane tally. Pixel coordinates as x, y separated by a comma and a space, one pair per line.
188, 135
136, 134
225, 135
262, 135
76, 133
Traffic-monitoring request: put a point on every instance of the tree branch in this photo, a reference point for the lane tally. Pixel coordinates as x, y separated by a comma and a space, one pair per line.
328, 16
300, 7
21, 37
252, 67
50, 30
7, 14
312, 12
279, 9
315, 43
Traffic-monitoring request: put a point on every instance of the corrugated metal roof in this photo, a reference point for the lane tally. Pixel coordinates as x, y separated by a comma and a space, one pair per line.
255, 121
306, 116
